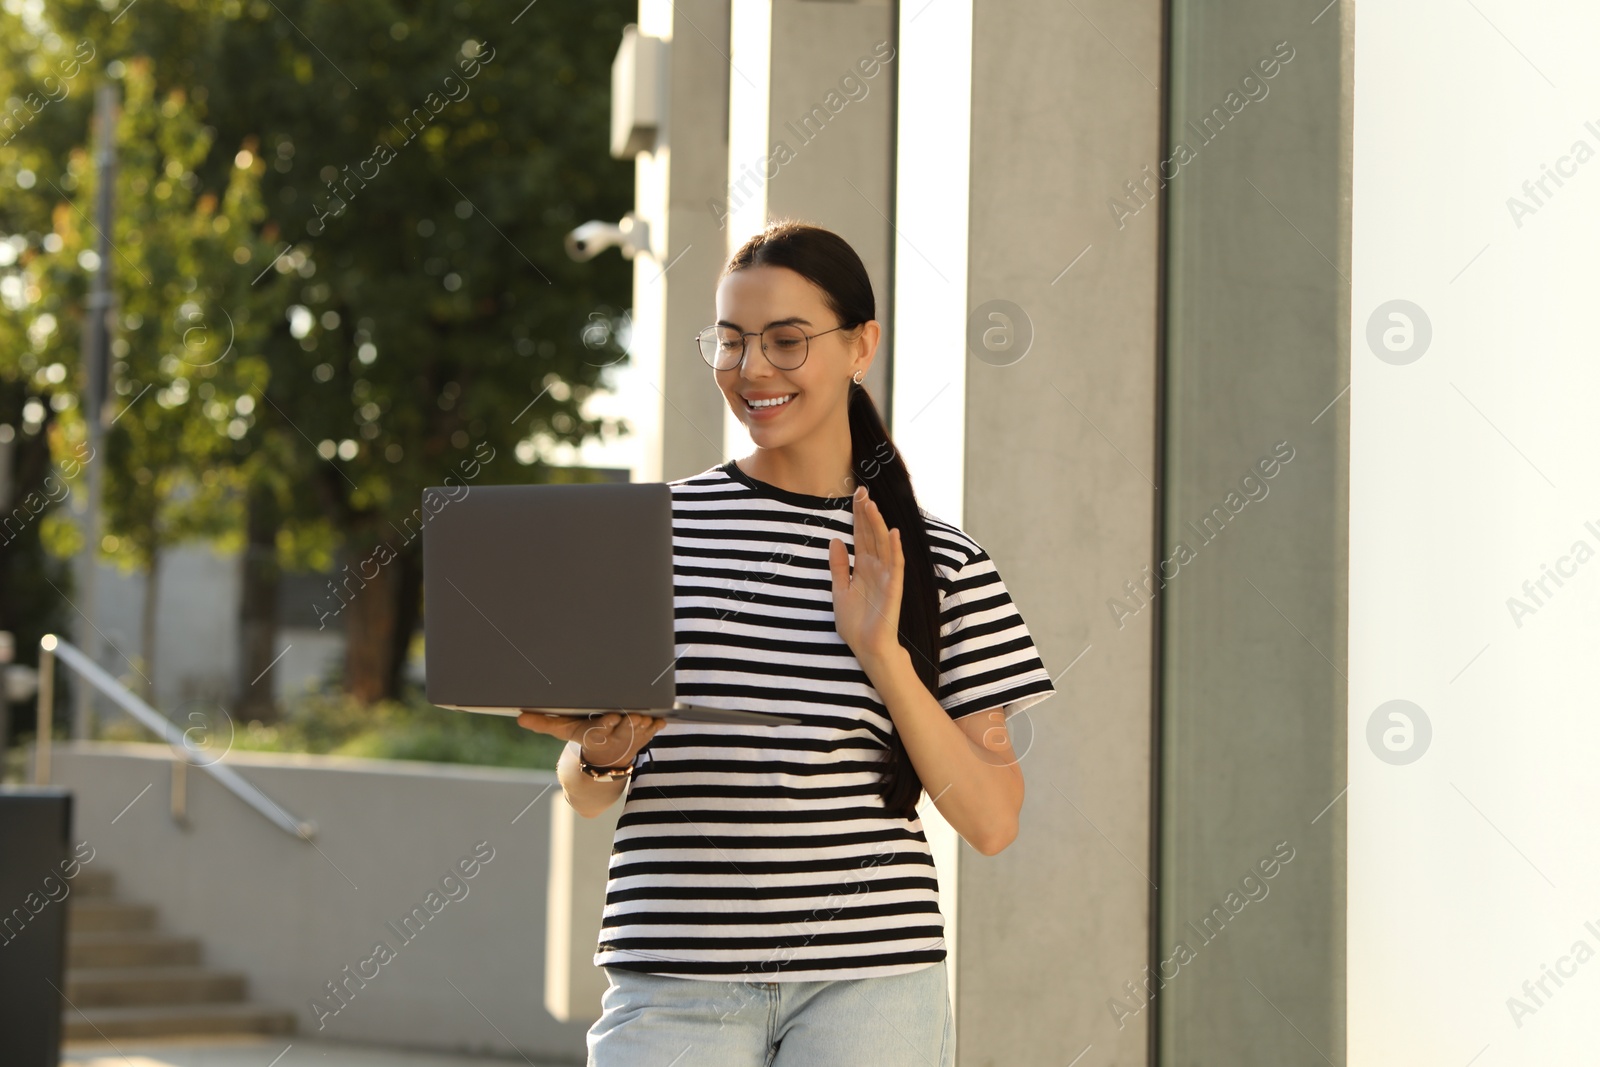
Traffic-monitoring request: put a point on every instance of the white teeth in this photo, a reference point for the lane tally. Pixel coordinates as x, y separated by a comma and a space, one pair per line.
769, 403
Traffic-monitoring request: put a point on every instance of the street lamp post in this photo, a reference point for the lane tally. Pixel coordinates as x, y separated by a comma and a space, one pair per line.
96, 343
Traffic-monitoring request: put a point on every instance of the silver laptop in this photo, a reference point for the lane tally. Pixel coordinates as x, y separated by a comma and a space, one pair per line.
556, 598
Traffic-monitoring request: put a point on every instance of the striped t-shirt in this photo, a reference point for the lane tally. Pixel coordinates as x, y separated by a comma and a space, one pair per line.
765, 852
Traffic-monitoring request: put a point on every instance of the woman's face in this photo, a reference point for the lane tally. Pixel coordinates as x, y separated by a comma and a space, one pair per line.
812, 398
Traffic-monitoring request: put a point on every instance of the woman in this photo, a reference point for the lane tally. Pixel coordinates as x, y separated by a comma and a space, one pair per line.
771, 896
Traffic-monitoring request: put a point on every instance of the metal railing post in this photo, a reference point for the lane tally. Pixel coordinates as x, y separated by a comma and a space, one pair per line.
179, 791
45, 707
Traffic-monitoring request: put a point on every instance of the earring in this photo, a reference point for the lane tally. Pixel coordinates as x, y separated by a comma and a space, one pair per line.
857, 376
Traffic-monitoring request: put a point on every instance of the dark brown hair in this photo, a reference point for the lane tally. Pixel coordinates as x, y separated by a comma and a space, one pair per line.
827, 261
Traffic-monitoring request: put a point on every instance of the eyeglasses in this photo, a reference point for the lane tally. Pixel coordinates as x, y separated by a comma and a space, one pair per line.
785, 346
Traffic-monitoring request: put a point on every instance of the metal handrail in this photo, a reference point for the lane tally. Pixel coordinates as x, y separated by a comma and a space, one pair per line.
52, 647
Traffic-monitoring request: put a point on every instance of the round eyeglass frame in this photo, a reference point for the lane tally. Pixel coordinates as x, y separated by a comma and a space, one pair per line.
744, 351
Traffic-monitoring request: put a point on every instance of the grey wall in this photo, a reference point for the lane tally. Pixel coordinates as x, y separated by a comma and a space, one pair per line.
1254, 637
292, 915
197, 622
197, 606
1059, 460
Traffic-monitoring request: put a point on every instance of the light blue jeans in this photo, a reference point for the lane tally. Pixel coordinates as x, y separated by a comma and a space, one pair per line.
656, 1020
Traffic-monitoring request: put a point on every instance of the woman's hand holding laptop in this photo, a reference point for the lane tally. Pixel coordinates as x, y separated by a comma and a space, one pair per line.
605, 740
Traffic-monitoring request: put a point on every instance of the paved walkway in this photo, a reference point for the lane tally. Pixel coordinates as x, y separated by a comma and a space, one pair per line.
260, 1052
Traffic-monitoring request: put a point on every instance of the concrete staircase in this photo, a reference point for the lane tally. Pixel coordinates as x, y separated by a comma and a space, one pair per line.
125, 979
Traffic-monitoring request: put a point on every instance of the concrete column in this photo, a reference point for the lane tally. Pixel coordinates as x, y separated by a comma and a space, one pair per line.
673, 286
580, 853
673, 282
811, 136
1253, 662
1058, 420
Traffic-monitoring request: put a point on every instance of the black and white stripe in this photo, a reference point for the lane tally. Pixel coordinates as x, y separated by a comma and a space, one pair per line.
765, 852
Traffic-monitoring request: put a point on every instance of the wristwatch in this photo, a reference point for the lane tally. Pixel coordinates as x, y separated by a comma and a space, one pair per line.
603, 774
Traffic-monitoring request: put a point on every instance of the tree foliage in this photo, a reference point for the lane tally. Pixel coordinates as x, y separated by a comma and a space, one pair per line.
340, 266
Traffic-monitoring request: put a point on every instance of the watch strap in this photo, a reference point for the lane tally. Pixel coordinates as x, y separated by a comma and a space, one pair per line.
603, 774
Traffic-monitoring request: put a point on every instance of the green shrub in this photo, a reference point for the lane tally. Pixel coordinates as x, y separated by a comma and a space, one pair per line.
336, 724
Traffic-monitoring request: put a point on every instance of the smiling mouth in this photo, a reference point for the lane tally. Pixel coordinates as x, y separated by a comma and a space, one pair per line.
768, 405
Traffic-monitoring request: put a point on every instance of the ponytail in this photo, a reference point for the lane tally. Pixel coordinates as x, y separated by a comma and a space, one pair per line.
878, 465
827, 261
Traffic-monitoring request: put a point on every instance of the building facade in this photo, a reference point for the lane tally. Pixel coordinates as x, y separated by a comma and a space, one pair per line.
1255, 342
1090, 318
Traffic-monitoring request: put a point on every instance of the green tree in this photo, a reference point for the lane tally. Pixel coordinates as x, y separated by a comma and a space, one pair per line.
184, 372
417, 317
171, 276
44, 93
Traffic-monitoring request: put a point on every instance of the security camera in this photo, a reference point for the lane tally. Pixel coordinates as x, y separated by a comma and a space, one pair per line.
631, 235
592, 238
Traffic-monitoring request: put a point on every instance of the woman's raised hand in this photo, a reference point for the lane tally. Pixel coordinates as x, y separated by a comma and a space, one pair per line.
866, 602
611, 739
